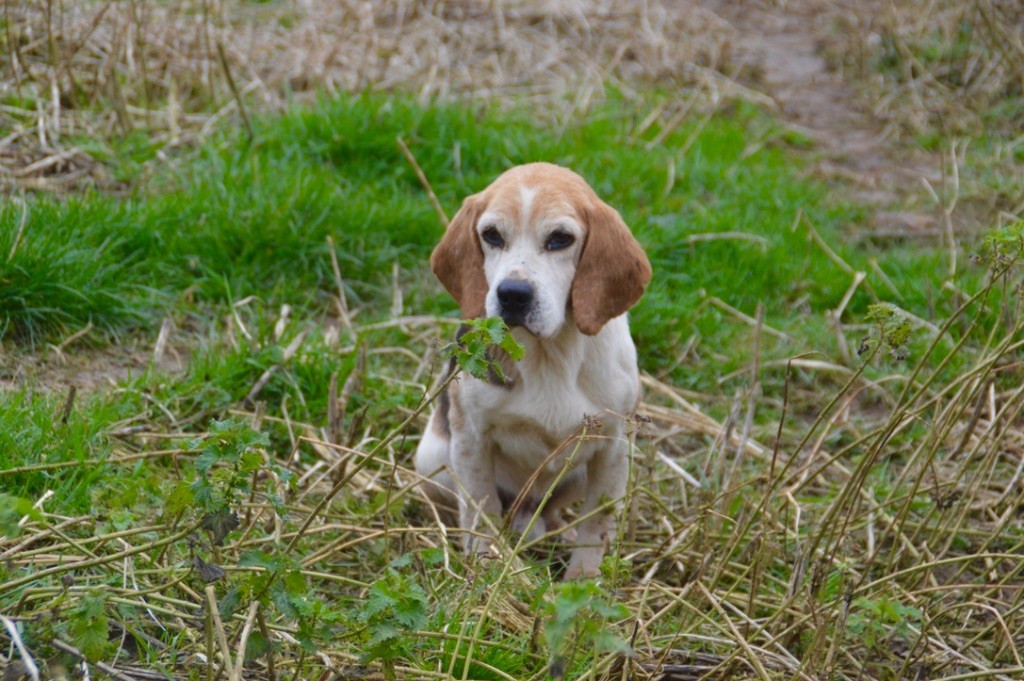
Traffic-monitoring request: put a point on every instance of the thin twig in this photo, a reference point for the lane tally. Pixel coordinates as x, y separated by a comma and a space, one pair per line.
21, 227
218, 628
234, 91
342, 300
243, 640
746, 319
423, 181
26, 656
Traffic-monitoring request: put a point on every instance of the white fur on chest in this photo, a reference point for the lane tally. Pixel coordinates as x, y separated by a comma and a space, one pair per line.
559, 382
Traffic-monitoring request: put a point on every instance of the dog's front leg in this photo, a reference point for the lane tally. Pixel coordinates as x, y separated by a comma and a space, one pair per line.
607, 473
473, 465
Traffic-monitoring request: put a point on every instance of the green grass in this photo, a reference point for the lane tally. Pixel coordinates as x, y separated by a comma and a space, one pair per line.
773, 550
244, 220
35, 432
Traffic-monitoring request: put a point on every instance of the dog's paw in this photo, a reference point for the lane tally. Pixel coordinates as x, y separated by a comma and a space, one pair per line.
521, 522
584, 564
556, 525
574, 572
477, 545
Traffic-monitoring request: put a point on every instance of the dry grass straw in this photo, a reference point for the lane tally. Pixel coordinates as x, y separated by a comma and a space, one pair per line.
101, 70
937, 64
770, 563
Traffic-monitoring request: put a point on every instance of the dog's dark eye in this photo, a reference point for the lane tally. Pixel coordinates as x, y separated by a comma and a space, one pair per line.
559, 240
492, 237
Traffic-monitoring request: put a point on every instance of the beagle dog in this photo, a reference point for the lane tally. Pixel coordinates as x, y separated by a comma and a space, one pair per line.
539, 249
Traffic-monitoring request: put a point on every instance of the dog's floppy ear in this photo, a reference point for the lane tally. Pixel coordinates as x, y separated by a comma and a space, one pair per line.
612, 272
458, 261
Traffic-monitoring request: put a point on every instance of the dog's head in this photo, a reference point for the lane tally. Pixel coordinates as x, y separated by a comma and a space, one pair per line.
538, 246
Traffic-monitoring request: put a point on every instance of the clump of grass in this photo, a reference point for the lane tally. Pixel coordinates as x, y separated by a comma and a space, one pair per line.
945, 75
51, 446
66, 267
941, 65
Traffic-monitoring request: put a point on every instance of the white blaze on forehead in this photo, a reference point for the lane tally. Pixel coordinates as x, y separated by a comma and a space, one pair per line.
526, 195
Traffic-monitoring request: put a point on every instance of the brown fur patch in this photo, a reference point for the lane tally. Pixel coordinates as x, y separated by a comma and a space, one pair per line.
458, 261
455, 420
612, 273
440, 421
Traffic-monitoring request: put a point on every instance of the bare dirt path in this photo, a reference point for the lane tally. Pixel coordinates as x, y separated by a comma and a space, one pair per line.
781, 44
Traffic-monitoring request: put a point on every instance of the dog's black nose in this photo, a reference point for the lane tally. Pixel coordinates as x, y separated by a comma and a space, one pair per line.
515, 297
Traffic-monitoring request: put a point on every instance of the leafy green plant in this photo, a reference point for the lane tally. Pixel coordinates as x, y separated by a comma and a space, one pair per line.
281, 586
396, 607
12, 510
890, 329
581, 618
231, 456
874, 619
478, 347
1003, 247
89, 625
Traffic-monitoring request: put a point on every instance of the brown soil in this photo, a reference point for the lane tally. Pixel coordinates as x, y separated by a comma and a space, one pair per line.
780, 45
87, 369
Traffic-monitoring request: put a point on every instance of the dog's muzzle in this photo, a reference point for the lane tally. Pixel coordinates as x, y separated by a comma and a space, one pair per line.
515, 298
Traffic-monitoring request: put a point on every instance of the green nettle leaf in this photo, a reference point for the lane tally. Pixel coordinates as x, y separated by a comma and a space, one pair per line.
275, 500
203, 492
383, 634
474, 351
495, 328
283, 600
432, 556
318, 622
206, 461
252, 460
395, 607
510, 345
404, 560
122, 519
226, 442
307, 636
257, 646
295, 583
581, 618
223, 478
261, 559
230, 602
874, 621
90, 626
219, 524
476, 366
